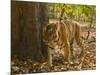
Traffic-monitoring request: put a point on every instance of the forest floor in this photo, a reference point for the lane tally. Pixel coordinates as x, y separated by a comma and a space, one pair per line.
89, 63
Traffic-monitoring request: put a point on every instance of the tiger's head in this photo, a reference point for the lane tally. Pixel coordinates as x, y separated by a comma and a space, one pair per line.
50, 32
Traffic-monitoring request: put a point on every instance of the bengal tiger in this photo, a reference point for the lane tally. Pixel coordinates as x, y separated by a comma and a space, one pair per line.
61, 35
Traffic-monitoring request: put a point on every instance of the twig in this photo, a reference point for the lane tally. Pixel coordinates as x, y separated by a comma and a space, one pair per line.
62, 12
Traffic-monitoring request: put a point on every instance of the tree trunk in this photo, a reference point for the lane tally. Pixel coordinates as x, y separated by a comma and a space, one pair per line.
27, 21
43, 10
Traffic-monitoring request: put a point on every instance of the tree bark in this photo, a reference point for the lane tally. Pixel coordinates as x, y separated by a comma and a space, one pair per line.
27, 21
43, 10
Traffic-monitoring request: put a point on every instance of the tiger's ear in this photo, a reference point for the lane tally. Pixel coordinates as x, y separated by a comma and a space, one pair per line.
45, 27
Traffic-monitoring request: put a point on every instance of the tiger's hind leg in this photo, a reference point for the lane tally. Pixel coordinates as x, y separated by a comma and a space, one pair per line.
79, 40
82, 54
67, 53
82, 48
71, 51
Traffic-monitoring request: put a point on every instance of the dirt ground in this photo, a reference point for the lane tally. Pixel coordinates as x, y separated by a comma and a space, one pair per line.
89, 62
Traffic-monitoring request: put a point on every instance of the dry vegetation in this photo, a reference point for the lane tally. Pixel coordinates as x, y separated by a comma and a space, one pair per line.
89, 63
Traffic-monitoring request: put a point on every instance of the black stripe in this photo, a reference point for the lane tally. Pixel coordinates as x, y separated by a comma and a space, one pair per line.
50, 46
63, 45
58, 38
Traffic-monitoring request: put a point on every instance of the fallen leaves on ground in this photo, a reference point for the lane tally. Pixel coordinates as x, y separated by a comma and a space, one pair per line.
29, 66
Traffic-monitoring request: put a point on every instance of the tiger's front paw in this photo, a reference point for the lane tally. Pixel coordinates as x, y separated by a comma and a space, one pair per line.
50, 64
70, 62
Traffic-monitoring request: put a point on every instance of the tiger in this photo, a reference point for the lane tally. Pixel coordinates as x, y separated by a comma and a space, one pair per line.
60, 36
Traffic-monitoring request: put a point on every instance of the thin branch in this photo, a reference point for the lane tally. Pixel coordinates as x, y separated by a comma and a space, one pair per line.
62, 12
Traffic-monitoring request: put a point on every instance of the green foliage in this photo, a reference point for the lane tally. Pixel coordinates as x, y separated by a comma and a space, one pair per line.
72, 11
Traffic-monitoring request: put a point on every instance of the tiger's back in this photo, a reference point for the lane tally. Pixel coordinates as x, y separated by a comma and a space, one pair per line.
72, 30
